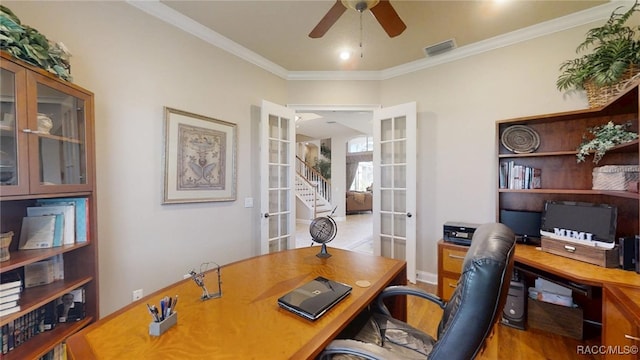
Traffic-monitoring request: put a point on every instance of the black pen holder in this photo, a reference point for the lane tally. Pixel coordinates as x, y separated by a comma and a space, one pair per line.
159, 328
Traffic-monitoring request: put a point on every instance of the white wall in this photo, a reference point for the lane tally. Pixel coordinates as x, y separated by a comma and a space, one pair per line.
135, 65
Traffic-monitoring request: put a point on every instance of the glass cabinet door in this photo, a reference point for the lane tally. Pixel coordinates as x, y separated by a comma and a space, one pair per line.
59, 137
13, 143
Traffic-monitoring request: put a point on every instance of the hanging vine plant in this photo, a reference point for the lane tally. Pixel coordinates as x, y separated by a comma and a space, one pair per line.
27, 44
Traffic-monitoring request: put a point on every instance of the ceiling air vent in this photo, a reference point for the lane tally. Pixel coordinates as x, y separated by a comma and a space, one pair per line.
440, 48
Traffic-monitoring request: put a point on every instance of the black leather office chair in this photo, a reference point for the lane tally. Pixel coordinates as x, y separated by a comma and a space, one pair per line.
467, 319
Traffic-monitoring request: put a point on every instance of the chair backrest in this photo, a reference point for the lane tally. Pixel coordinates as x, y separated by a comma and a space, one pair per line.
478, 300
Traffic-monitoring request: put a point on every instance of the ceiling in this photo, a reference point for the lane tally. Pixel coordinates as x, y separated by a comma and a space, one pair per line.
278, 30
274, 35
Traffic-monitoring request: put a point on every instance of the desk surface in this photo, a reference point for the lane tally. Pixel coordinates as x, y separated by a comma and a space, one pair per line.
246, 322
574, 270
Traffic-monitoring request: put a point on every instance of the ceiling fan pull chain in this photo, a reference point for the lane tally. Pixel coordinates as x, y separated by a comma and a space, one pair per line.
361, 52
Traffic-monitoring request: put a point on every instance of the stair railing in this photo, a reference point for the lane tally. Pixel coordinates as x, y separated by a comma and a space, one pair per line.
315, 178
313, 189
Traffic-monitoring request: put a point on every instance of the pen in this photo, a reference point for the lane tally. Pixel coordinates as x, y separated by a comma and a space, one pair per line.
175, 303
162, 308
169, 300
154, 313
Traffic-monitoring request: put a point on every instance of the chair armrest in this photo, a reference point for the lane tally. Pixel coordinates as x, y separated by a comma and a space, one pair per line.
358, 348
405, 290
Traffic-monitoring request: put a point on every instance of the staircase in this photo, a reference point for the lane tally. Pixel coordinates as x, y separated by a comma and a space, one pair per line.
312, 189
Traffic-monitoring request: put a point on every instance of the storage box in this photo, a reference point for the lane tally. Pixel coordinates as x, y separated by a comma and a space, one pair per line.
557, 319
593, 255
614, 177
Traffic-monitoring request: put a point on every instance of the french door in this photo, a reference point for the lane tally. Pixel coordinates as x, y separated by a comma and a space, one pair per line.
277, 200
394, 184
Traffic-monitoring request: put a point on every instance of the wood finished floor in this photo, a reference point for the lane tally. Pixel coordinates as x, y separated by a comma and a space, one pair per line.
505, 343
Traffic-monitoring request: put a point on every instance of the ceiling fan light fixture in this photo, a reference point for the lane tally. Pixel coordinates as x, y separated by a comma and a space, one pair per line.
360, 5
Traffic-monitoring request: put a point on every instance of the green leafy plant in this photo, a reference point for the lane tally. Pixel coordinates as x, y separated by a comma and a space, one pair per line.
27, 44
602, 138
615, 48
323, 167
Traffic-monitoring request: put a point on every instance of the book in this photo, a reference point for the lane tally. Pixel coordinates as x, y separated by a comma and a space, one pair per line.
70, 306
81, 207
9, 311
58, 267
11, 291
37, 232
38, 273
9, 304
10, 280
68, 212
9, 298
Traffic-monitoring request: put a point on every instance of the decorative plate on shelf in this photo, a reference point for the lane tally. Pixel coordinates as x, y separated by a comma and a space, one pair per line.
520, 139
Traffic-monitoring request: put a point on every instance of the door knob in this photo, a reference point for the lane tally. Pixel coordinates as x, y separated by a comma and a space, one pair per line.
409, 215
266, 215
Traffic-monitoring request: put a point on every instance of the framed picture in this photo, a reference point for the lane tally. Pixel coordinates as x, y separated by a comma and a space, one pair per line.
199, 158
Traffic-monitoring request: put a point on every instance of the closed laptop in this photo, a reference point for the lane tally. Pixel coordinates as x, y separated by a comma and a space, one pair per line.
314, 298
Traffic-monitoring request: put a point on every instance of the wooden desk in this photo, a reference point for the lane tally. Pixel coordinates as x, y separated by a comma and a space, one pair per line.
574, 270
246, 322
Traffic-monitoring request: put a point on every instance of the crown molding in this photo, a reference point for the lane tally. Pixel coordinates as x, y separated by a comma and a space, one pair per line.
172, 17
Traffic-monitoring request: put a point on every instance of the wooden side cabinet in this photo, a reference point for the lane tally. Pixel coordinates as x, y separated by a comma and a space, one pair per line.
450, 257
621, 322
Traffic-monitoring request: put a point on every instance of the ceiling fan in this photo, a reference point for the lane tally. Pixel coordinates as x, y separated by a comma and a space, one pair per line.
381, 10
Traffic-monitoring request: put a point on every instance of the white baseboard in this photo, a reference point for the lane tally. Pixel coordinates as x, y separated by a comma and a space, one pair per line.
428, 278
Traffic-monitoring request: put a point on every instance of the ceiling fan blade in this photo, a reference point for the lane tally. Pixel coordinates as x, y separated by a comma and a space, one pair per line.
328, 20
388, 18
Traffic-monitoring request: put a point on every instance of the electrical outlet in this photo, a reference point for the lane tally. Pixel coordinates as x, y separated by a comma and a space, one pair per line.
137, 295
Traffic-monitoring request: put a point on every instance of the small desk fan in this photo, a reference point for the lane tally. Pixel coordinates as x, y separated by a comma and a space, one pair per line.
323, 229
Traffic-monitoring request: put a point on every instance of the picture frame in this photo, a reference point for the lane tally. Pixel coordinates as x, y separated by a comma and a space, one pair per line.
199, 158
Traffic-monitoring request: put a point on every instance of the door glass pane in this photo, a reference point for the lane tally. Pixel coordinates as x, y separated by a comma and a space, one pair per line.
284, 128
273, 226
273, 151
386, 132
386, 225
61, 128
284, 200
400, 127
386, 246
273, 201
399, 176
284, 225
284, 153
399, 225
399, 249
386, 153
400, 201
273, 176
284, 176
8, 144
386, 202
273, 127
400, 152
386, 176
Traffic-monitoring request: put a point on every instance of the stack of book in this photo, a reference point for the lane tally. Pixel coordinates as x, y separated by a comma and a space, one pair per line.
55, 222
10, 289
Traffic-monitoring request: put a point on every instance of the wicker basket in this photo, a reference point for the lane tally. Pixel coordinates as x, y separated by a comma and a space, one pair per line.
599, 96
614, 177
